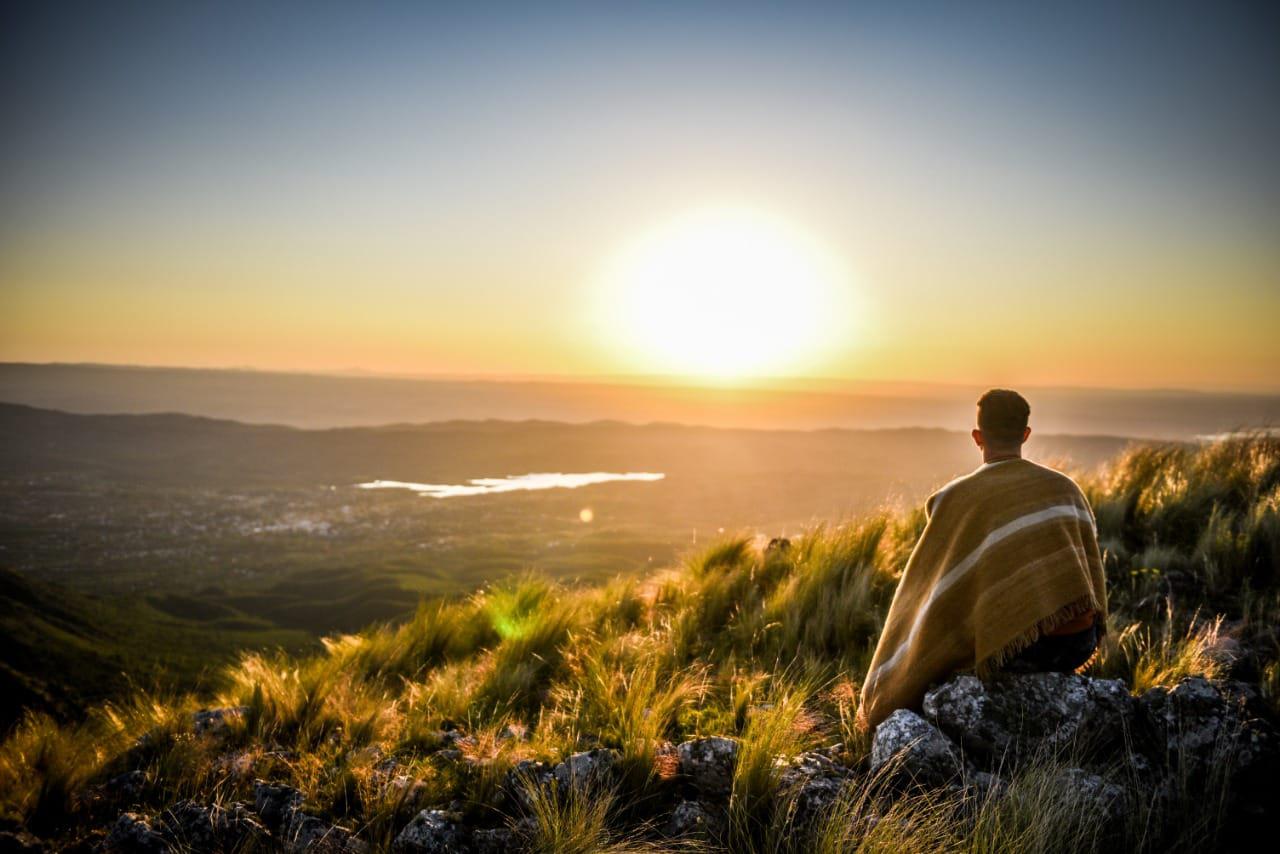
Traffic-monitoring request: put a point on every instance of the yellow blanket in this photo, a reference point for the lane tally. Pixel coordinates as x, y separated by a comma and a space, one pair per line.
1008, 552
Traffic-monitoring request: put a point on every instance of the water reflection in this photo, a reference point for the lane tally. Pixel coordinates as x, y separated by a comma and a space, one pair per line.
513, 483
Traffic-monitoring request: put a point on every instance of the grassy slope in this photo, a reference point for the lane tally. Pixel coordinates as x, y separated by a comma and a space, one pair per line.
64, 650
767, 646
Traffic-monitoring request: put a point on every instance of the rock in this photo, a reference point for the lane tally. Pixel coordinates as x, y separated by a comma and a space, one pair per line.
811, 782
695, 819
20, 843
1004, 720
708, 763
1093, 795
493, 840
1199, 722
199, 828
275, 804
525, 778
514, 732
215, 721
308, 834
910, 750
407, 791
191, 826
433, 832
1201, 730
585, 768
125, 788
133, 834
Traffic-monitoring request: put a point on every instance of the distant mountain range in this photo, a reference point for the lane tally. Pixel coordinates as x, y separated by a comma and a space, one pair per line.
316, 400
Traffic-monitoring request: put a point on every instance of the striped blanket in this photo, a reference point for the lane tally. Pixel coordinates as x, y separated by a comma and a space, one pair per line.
1009, 552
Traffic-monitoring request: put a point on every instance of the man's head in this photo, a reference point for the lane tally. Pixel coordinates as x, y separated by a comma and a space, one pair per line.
1002, 422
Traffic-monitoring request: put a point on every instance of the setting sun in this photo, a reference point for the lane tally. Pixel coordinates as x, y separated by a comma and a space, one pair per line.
724, 293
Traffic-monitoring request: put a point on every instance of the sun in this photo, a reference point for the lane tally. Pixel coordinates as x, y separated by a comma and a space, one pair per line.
723, 293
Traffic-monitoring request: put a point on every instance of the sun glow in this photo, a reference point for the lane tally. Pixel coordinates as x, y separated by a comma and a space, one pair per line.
725, 293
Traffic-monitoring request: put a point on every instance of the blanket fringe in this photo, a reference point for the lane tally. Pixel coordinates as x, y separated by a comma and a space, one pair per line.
988, 666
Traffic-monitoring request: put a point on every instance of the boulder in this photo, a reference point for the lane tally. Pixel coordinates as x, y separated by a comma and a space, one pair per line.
20, 843
125, 788
586, 768
199, 828
1013, 716
908, 750
215, 721
307, 834
697, 820
525, 778
811, 782
708, 763
275, 804
133, 834
493, 840
433, 832
1093, 795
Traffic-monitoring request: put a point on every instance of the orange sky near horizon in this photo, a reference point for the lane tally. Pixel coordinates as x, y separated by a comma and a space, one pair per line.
1026, 203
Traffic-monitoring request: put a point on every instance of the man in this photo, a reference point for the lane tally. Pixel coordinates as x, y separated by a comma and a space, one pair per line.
1007, 574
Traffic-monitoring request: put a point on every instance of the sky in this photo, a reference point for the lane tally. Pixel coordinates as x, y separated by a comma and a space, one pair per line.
988, 193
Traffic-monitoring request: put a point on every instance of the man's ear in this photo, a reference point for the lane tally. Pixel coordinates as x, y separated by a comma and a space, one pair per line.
1026, 434
977, 437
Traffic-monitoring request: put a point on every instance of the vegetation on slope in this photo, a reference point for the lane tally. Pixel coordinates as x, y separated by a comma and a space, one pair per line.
765, 644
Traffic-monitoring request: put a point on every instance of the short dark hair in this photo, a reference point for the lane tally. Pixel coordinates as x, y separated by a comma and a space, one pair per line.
1002, 416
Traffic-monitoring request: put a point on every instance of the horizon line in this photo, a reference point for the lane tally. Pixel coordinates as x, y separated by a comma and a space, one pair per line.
795, 384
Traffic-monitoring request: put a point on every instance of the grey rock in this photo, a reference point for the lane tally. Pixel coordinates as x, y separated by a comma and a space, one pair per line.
910, 750
433, 832
1201, 729
275, 804
125, 788
215, 721
1002, 721
524, 779
493, 840
709, 763
20, 843
585, 768
1093, 794
308, 834
695, 819
811, 782
200, 828
133, 834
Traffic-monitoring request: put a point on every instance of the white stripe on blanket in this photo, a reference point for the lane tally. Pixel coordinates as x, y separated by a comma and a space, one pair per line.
956, 572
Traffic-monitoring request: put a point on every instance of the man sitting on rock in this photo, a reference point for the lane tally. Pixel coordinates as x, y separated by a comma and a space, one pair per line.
1007, 574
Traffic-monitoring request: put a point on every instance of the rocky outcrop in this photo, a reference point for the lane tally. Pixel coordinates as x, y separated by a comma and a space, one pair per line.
1116, 751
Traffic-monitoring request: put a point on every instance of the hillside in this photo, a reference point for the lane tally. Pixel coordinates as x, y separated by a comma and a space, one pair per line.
534, 716
64, 651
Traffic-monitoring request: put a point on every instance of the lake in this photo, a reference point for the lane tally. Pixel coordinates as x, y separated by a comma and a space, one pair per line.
514, 483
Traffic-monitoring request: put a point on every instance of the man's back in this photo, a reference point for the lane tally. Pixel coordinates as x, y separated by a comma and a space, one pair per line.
1009, 554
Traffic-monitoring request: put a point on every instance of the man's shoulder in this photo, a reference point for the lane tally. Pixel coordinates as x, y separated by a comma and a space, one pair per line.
996, 478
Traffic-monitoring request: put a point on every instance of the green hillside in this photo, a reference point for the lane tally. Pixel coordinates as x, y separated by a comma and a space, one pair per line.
63, 651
